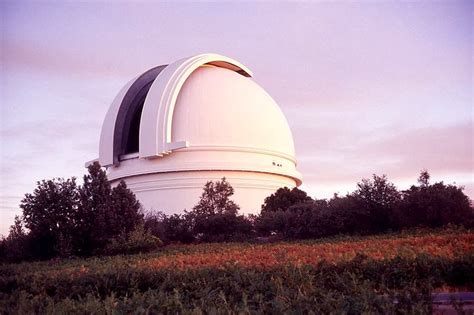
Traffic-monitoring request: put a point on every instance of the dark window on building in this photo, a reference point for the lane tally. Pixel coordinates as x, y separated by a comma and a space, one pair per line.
132, 143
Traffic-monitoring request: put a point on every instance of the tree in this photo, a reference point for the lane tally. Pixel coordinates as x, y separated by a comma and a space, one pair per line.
16, 230
215, 199
64, 219
345, 215
154, 223
103, 212
434, 205
379, 198
178, 228
126, 210
94, 211
49, 215
284, 198
424, 178
16, 246
215, 218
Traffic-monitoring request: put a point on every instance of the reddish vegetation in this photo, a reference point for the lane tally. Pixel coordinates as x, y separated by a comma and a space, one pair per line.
269, 255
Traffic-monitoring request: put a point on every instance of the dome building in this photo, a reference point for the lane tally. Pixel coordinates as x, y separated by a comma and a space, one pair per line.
175, 127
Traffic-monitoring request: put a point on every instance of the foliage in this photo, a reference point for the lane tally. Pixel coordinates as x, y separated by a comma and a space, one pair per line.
178, 228
17, 245
283, 199
68, 220
103, 212
378, 198
48, 214
434, 205
215, 218
375, 207
126, 212
137, 241
223, 227
153, 223
215, 200
396, 284
62, 219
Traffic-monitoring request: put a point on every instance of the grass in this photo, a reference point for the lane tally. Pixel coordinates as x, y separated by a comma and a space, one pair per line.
394, 273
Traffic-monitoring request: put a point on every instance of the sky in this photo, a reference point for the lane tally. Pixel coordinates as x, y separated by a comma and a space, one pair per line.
367, 87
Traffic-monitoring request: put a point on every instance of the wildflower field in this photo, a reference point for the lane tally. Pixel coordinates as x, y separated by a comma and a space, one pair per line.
389, 274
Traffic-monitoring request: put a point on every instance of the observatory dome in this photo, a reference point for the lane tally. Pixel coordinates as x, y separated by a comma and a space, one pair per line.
175, 127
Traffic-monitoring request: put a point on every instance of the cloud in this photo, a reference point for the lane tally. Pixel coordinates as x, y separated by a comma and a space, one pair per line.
345, 157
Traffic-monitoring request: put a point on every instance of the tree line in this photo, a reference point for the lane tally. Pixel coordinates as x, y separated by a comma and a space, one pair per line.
376, 206
62, 219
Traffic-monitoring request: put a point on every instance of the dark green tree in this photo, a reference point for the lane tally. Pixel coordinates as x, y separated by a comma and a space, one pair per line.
16, 246
434, 205
93, 219
215, 199
379, 198
178, 228
49, 215
215, 218
284, 198
103, 212
424, 178
126, 212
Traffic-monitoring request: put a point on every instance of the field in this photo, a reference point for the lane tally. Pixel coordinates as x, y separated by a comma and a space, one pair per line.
380, 274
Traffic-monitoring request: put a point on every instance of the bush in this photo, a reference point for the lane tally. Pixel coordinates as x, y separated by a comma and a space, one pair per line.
49, 215
137, 241
434, 205
103, 212
17, 246
178, 228
120, 285
62, 219
378, 199
340, 215
272, 223
154, 223
284, 198
215, 218
223, 228
375, 207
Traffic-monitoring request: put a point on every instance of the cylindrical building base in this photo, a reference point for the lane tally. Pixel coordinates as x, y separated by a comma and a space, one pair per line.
172, 192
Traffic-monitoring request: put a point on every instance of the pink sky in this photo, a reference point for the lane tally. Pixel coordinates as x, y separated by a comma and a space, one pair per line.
366, 87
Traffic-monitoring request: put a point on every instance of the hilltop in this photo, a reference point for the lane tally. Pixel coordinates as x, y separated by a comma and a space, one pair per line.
392, 273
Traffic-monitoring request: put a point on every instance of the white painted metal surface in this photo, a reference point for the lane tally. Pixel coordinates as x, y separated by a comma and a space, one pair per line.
204, 118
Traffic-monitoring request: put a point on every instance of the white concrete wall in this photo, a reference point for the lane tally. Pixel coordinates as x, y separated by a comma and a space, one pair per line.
175, 191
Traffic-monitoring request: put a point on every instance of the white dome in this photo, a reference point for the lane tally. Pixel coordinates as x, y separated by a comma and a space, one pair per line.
219, 107
175, 127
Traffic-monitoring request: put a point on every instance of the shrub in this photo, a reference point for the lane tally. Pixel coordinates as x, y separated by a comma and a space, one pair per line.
17, 245
434, 206
215, 218
340, 215
401, 285
215, 199
378, 198
178, 228
346, 215
103, 212
284, 198
49, 215
271, 223
137, 241
154, 223
223, 228
62, 219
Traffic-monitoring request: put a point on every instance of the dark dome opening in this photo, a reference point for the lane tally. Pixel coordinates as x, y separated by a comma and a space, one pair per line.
127, 124
132, 144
